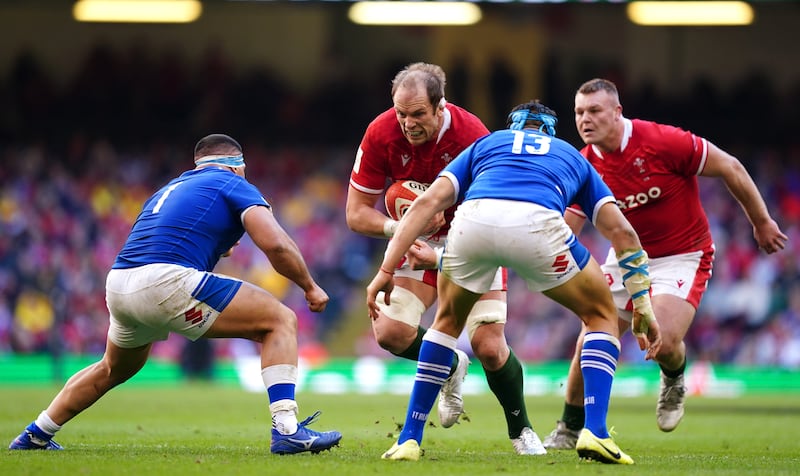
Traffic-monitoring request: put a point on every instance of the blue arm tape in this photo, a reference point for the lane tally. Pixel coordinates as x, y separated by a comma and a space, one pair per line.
626, 264
640, 293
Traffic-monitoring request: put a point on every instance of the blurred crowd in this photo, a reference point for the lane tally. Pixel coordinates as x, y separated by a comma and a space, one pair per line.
77, 161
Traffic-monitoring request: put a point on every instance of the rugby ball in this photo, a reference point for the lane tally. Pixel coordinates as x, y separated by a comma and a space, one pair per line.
400, 195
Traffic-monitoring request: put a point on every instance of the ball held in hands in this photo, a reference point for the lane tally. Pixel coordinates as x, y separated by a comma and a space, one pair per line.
400, 195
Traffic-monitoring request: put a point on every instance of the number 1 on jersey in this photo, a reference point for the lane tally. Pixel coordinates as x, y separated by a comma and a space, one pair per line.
164, 196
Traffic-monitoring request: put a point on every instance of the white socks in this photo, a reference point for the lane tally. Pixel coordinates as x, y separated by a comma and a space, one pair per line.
46, 424
284, 416
280, 381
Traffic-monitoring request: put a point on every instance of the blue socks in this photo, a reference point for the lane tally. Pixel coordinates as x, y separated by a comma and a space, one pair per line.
281, 391
598, 364
433, 368
38, 432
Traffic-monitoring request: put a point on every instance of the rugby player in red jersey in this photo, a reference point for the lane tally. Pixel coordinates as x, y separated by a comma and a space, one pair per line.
415, 139
652, 170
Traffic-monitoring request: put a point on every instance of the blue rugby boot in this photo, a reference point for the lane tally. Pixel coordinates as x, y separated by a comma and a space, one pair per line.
32, 438
304, 439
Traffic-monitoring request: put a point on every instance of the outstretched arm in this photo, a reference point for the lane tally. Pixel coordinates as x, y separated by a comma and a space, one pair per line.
633, 261
720, 164
440, 195
283, 253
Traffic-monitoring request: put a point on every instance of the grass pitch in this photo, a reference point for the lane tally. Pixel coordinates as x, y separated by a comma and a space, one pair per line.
214, 430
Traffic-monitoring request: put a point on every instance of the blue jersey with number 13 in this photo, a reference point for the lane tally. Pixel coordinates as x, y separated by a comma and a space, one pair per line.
528, 166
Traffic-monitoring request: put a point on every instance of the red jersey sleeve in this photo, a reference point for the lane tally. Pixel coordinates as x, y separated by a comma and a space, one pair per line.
683, 152
370, 168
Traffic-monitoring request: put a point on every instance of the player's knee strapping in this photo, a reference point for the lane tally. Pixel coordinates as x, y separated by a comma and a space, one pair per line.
488, 311
405, 306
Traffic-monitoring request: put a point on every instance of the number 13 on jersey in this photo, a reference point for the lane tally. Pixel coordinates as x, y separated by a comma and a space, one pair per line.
537, 144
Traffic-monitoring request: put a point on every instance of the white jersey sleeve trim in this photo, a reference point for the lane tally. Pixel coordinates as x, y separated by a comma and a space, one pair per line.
241, 216
703, 157
576, 211
371, 191
452, 178
599, 204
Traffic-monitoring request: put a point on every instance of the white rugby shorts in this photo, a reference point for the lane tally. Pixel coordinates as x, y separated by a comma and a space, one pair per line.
408, 308
683, 275
146, 303
532, 240
429, 276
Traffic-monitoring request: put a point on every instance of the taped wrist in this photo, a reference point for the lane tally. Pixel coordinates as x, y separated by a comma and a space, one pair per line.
636, 277
635, 272
389, 227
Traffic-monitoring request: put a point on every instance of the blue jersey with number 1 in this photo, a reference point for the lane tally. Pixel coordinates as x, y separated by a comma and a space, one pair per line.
191, 221
528, 166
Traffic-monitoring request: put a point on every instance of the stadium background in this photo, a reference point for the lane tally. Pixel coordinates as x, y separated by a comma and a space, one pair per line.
97, 116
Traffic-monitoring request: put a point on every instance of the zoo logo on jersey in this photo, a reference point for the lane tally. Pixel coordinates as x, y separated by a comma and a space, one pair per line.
641, 198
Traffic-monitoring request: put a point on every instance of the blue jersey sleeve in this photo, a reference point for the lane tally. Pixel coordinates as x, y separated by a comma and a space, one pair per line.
459, 171
526, 165
594, 193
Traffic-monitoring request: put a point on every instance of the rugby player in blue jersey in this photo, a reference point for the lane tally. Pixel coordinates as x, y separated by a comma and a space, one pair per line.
515, 185
162, 282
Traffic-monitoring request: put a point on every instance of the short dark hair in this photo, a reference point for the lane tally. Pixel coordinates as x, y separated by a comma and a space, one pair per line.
216, 144
598, 84
430, 75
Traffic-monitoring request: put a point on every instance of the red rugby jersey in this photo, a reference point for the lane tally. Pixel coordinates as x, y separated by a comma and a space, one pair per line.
385, 155
654, 178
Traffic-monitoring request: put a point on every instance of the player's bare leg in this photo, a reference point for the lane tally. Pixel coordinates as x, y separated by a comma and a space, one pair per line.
588, 296
80, 392
396, 327
87, 386
503, 370
565, 435
675, 315
257, 315
437, 350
